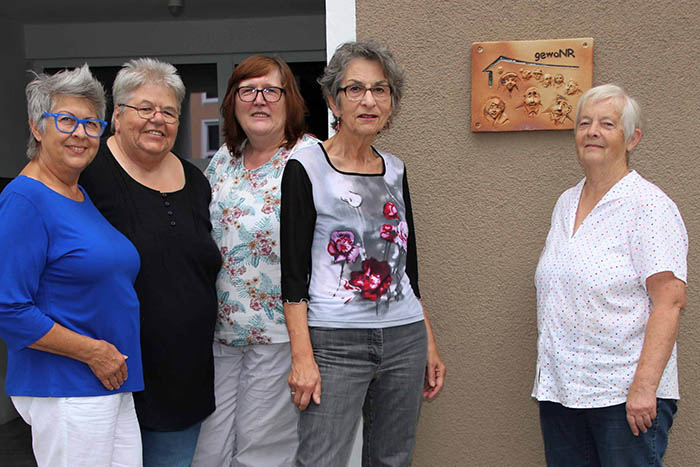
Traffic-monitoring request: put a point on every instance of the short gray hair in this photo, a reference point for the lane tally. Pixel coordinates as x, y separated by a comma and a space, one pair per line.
631, 112
139, 71
43, 90
369, 50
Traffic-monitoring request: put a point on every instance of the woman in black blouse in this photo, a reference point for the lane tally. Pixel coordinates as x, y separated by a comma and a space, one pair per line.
161, 203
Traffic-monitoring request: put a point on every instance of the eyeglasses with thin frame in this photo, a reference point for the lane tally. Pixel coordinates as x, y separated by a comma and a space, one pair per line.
356, 92
270, 93
67, 123
147, 113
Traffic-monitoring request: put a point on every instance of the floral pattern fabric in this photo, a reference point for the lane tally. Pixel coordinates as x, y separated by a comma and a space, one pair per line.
245, 215
375, 277
359, 250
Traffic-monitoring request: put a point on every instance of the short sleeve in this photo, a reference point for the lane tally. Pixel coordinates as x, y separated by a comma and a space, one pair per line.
23, 251
660, 240
297, 223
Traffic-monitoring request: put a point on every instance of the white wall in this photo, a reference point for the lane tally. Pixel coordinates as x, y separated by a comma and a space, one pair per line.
340, 28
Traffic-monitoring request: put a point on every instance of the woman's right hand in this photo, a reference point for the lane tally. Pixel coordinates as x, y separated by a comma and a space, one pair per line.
304, 378
305, 381
108, 364
103, 359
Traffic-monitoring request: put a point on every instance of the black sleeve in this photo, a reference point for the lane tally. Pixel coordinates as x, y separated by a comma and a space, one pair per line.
411, 253
297, 222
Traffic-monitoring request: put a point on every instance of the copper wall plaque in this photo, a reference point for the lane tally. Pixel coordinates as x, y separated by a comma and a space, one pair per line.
529, 85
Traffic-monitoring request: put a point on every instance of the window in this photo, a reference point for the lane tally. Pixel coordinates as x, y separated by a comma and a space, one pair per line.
210, 137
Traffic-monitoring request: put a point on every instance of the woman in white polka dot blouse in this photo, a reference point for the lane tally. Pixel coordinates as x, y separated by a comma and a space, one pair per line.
610, 288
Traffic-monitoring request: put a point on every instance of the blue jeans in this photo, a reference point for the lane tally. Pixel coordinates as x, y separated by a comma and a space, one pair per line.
377, 371
169, 448
602, 437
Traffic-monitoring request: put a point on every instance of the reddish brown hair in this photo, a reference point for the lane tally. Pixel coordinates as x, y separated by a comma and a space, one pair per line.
253, 67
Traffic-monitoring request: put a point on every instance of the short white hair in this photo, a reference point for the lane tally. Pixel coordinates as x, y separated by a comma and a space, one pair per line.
139, 71
631, 112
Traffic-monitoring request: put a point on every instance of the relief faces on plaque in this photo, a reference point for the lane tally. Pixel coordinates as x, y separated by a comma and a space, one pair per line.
532, 102
495, 111
529, 85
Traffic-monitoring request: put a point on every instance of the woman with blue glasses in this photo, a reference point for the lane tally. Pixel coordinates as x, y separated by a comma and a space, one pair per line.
68, 309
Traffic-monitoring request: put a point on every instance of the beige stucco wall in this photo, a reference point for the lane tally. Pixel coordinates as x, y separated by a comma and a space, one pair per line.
482, 202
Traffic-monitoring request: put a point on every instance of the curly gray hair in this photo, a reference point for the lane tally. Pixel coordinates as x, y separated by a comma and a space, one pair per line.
43, 89
369, 50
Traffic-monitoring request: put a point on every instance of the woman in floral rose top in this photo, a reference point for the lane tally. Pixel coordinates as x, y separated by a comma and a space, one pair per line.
360, 339
255, 422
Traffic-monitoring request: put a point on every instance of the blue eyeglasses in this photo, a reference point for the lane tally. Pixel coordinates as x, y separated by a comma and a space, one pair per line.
66, 123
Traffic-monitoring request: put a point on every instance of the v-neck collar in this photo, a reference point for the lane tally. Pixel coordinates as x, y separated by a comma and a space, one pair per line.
622, 189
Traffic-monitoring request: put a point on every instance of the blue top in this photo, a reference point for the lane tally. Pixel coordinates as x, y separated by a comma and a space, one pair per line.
62, 262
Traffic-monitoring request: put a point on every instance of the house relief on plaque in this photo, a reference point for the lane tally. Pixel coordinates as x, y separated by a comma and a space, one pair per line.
529, 85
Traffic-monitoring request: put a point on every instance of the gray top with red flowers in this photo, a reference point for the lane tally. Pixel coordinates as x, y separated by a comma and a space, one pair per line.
347, 243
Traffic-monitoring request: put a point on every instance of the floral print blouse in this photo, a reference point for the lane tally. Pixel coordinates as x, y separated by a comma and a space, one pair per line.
245, 215
347, 243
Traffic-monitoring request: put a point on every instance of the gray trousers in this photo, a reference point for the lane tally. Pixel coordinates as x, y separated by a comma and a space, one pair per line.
378, 372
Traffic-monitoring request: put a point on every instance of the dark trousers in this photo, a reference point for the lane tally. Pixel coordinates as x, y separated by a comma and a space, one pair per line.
602, 437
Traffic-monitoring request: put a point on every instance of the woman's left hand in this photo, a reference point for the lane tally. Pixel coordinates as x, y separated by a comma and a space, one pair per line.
668, 297
434, 372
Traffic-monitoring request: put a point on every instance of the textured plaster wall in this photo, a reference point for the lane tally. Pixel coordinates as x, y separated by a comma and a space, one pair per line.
483, 202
